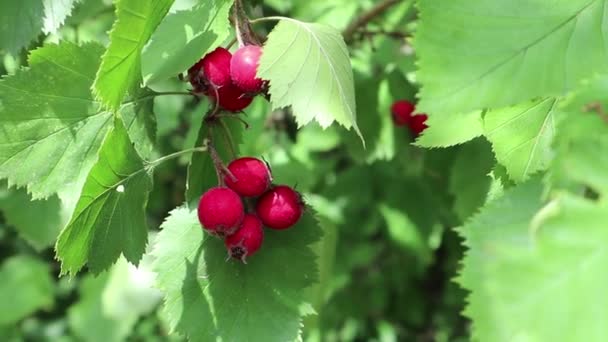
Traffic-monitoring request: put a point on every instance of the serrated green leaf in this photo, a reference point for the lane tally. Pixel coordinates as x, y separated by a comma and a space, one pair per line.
475, 54
17, 208
443, 132
109, 219
521, 136
226, 134
26, 286
208, 298
55, 13
535, 279
309, 69
20, 23
183, 37
120, 68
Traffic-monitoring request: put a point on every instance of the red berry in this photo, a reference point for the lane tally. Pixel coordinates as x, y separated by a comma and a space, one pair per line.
213, 69
231, 98
220, 211
402, 112
243, 68
280, 207
247, 240
251, 177
417, 124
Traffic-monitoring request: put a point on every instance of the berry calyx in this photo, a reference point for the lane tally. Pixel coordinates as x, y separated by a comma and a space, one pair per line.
280, 207
231, 98
251, 177
243, 68
402, 112
247, 239
417, 124
220, 211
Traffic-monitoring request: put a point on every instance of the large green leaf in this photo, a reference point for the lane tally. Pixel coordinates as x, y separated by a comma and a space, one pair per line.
521, 136
51, 126
208, 298
475, 54
120, 68
109, 219
55, 13
25, 215
20, 22
537, 277
183, 37
309, 69
443, 132
26, 286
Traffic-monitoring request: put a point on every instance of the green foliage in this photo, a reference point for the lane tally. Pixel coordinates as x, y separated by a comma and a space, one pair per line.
20, 22
444, 132
120, 68
26, 287
521, 136
208, 298
109, 218
55, 13
319, 67
183, 37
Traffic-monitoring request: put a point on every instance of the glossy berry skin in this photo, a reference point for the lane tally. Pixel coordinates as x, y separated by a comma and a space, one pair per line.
212, 70
231, 98
247, 239
243, 68
402, 112
220, 211
251, 177
280, 207
417, 124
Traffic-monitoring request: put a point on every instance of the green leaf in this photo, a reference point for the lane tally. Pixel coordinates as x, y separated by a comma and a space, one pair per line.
20, 23
226, 134
529, 273
55, 13
51, 127
309, 69
475, 54
183, 37
26, 286
140, 121
444, 133
208, 298
17, 208
120, 68
521, 136
109, 219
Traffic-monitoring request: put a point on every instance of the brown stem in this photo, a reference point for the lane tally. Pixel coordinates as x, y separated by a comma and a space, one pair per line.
244, 32
218, 164
366, 17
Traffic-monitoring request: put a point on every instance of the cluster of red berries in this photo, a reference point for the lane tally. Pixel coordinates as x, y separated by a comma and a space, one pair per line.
230, 80
221, 211
403, 114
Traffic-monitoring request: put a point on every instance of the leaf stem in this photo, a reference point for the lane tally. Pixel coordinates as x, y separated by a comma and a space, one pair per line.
177, 154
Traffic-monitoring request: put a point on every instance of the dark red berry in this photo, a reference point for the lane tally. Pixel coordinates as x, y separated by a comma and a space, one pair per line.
212, 70
231, 98
280, 207
220, 211
247, 240
251, 177
402, 112
243, 68
417, 124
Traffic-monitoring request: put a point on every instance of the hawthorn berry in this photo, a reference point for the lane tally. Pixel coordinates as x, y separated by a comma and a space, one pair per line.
251, 176
417, 124
247, 239
243, 68
220, 211
231, 98
280, 207
213, 68
402, 112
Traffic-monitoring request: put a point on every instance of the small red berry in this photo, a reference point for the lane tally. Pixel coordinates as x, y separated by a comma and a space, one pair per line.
417, 124
280, 207
402, 112
212, 70
251, 177
231, 98
220, 211
247, 240
243, 68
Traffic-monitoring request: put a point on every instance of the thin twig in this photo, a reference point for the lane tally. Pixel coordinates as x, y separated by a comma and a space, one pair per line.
366, 17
